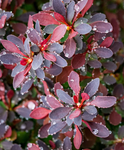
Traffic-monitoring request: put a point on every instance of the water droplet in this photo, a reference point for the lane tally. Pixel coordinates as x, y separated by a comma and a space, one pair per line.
95, 131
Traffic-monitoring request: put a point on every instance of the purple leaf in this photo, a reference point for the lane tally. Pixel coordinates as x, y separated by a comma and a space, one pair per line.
118, 90
16, 147
90, 109
99, 130
88, 117
55, 47
92, 87
70, 11
103, 52
26, 46
40, 73
79, 42
104, 101
63, 96
17, 69
2, 130
83, 28
102, 27
37, 61
26, 86
34, 36
24, 112
43, 145
57, 86
59, 7
73, 81
61, 62
60, 112
78, 120
97, 17
56, 127
121, 132
49, 29
25, 16
110, 66
94, 63
109, 80
9, 58
17, 42
54, 70
67, 144
43, 131
75, 113
18, 79
53, 102
116, 46
70, 48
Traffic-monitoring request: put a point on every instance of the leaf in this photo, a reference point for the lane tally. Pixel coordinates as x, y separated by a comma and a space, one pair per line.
43, 131
83, 28
54, 70
19, 28
104, 101
118, 90
78, 120
50, 28
119, 146
70, 48
67, 144
40, 73
102, 27
99, 130
78, 138
61, 62
59, 7
121, 132
17, 42
32, 146
63, 96
34, 36
116, 46
103, 52
70, 11
115, 118
92, 87
94, 63
45, 19
53, 102
56, 127
24, 112
49, 56
2, 21
97, 17
58, 33
107, 42
87, 116
87, 6
75, 113
57, 86
109, 80
37, 61
55, 47
26, 86
39, 113
59, 18
60, 112
90, 109
11, 47
42, 144
78, 61
16, 147
63, 77
110, 65
73, 81
30, 22
9, 59
18, 79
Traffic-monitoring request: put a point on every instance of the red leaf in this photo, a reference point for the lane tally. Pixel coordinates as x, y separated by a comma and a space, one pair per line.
58, 33
19, 28
72, 34
45, 19
30, 22
115, 118
49, 56
59, 18
77, 138
73, 81
11, 47
78, 61
39, 113
8, 133
2, 21
75, 113
18, 79
107, 42
46, 89
32, 146
88, 5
